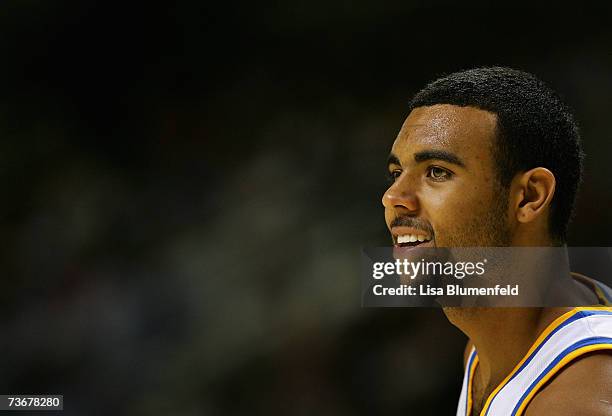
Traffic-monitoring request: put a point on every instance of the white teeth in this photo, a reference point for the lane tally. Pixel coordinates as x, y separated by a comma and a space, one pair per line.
411, 238
403, 239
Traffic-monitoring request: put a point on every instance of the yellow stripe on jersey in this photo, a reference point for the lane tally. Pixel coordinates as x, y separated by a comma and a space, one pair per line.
569, 357
556, 323
472, 370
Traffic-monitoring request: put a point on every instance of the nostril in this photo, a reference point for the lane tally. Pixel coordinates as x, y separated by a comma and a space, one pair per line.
400, 199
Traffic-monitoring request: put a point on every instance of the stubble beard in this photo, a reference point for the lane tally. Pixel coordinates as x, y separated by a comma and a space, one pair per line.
490, 229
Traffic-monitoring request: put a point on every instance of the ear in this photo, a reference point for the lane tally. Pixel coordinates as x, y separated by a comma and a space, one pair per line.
536, 188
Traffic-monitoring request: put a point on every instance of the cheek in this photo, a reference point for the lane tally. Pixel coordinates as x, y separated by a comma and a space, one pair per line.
452, 206
456, 198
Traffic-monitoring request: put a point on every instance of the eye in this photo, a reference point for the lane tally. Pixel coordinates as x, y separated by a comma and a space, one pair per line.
438, 174
394, 174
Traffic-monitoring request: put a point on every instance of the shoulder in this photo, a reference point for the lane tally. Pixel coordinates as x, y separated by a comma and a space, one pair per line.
584, 388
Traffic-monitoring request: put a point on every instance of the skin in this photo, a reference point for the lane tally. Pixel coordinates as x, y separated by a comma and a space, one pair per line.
436, 193
444, 184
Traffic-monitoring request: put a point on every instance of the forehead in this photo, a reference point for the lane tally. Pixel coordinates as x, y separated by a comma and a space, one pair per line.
465, 131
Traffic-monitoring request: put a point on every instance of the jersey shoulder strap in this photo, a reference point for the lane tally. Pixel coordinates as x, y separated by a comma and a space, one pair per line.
580, 331
465, 399
602, 291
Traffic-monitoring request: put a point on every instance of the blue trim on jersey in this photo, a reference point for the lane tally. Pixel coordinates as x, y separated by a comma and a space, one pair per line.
575, 317
468, 369
568, 350
604, 289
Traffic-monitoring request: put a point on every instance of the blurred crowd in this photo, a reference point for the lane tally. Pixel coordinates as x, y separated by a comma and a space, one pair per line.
187, 190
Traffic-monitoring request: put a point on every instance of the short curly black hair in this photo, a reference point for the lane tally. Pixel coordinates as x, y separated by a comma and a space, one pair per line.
534, 129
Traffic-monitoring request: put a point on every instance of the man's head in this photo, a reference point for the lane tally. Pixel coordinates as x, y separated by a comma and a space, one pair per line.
486, 157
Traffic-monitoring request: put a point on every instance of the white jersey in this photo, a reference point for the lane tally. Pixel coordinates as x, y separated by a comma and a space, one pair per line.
579, 331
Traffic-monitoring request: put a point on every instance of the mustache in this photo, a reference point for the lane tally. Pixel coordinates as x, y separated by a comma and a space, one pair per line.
418, 223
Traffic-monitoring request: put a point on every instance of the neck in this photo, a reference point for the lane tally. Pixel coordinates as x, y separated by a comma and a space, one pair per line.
502, 336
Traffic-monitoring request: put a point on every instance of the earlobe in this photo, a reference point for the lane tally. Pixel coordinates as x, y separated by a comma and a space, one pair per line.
536, 187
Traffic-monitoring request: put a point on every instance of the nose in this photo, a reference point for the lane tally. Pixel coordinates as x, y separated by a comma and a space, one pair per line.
401, 196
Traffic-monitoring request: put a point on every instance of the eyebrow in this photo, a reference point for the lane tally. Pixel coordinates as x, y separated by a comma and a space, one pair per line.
429, 155
393, 160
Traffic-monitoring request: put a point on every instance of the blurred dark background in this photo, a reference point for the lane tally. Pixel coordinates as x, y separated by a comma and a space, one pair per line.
186, 189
